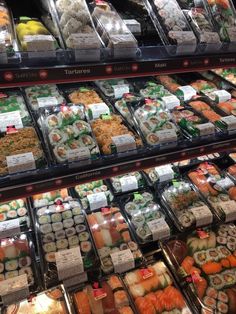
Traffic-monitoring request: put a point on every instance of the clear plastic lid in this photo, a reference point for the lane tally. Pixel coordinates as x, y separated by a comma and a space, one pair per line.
6, 29
50, 198
128, 182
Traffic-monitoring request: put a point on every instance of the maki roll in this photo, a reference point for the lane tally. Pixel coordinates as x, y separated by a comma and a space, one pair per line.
86, 246
70, 132
24, 261
83, 236
22, 211
53, 121
56, 217
216, 281
11, 265
200, 257
222, 307
70, 232
57, 137
87, 141
47, 228
76, 211
210, 302
60, 234
138, 220
60, 151
68, 223
57, 226
28, 272
80, 228
49, 237
44, 220
50, 257
79, 219
222, 297
152, 139
49, 247
67, 214
11, 274
81, 127
212, 292
73, 241
143, 232
62, 244
11, 214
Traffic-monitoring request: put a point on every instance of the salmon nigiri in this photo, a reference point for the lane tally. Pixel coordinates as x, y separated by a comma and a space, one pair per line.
108, 302
211, 115
82, 302
144, 306
199, 105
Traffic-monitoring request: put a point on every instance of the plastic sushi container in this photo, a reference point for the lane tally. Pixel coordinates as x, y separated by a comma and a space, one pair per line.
68, 135
13, 109
63, 227
18, 258
114, 88
114, 33
117, 250
40, 96
147, 219
94, 195
49, 198
129, 182
14, 217
48, 302
204, 264
172, 26
192, 125
106, 295
153, 290
78, 34
195, 161
31, 156
185, 205
229, 75
155, 124
217, 189
158, 175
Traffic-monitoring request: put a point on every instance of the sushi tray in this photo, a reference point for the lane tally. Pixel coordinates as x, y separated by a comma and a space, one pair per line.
50, 198
148, 221
63, 227
114, 88
14, 217
228, 75
68, 135
185, 205
105, 295
114, 242
53, 301
159, 175
18, 258
93, 195
153, 290
188, 163
129, 182
217, 189
204, 264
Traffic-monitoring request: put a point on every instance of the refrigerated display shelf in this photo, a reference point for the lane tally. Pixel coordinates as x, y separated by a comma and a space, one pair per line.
12, 76
63, 176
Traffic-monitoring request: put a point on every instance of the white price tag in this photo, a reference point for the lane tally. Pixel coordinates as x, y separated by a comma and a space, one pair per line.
124, 143
69, 263
187, 92
206, 128
230, 121
47, 101
78, 154
229, 209
166, 136
171, 101
15, 289
123, 261
165, 173
97, 200
120, 90
98, 109
203, 215
133, 25
225, 183
221, 96
128, 183
159, 229
20, 163
9, 228
10, 118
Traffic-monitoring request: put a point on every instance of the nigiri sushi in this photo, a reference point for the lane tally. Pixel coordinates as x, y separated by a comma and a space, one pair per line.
121, 298
108, 302
144, 306
114, 282
126, 310
82, 302
95, 305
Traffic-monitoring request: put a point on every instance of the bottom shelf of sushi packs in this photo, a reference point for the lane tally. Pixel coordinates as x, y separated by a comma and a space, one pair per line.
204, 263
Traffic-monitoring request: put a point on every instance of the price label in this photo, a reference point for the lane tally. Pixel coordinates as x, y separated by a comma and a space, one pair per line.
203, 215
14, 290
165, 173
146, 273
186, 92
10, 118
78, 154
120, 90
171, 102
123, 261
9, 228
128, 183
229, 208
47, 101
69, 263
98, 109
124, 143
230, 121
206, 129
159, 229
167, 136
97, 200
221, 95
75, 280
20, 162
224, 184
133, 25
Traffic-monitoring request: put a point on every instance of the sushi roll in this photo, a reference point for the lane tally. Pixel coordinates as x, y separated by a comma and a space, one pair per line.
53, 121
11, 214
73, 241
143, 232
86, 246
213, 255
221, 240
56, 217
130, 207
83, 236
222, 233
115, 283
222, 297
62, 244
79, 219
216, 281
42, 211
80, 228
104, 252
11, 265
210, 302
45, 219
68, 223
57, 226
22, 211
81, 127
76, 211
232, 232
121, 299
60, 234
60, 152
24, 261
3, 217
66, 214
231, 246
107, 265
57, 137
212, 292
47, 228
138, 220
223, 251
222, 307
70, 132
49, 237
123, 247
70, 232
49, 247
28, 272
11, 274
228, 278
200, 257
133, 246
50, 257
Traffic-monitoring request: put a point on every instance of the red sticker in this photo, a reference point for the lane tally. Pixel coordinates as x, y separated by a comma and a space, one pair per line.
127, 95
2, 95
148, 101
146, 273
11, 129
98, 292
64, 108
202, 234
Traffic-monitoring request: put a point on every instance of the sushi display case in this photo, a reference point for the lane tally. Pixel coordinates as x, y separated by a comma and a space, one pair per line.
204, 265
62, 227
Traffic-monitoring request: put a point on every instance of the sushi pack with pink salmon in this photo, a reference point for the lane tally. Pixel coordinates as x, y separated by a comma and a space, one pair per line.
205, 262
